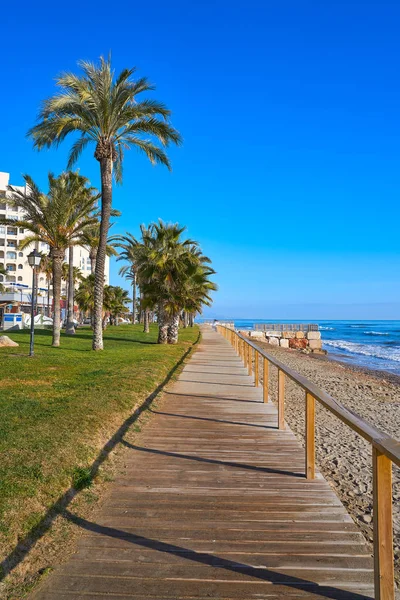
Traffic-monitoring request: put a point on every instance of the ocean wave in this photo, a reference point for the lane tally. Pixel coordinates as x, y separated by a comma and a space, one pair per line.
322, 328
365, 349
375, 333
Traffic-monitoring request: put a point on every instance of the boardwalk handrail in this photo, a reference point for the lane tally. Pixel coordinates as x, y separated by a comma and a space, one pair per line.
385, 449
286, 327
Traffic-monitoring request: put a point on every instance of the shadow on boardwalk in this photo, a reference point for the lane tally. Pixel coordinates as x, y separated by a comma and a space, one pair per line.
204, 558
212, 461
25, 545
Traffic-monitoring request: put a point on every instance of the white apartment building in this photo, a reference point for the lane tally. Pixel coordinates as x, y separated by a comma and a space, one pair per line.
19, 273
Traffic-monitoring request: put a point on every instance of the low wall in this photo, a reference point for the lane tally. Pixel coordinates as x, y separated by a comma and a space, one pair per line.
309, 341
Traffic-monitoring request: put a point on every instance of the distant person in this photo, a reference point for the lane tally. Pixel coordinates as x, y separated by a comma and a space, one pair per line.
215, 323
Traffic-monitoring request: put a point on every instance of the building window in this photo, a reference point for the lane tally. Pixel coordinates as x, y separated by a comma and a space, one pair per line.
12, 231
2, 229
21, 230
20, 266
21, 254
20, 278
10, 268
11, 255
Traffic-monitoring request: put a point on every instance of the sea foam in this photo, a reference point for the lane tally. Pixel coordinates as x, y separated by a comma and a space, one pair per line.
365, 349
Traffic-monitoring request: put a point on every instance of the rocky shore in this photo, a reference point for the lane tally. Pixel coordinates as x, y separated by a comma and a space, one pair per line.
343, 457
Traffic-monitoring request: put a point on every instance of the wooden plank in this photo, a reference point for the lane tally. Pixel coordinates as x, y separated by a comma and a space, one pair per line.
281, 399
310, 436
265, 379
256, 369
383, 526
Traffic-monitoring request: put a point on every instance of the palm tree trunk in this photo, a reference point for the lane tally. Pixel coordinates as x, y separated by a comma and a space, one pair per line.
92, 256
106, 201
191, 319
58, 259
70, 329
48, 297
146, 327
173, 329
134, 298
140, 307
162, 326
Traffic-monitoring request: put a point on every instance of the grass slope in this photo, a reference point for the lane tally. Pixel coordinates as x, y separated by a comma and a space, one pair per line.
58, 408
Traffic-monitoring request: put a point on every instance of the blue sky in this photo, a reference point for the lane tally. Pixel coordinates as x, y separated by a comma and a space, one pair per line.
289, 173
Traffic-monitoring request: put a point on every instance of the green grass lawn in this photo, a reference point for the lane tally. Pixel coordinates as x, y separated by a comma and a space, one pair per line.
58, 408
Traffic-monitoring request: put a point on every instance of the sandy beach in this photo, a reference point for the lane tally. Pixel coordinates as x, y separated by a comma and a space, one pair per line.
342, 456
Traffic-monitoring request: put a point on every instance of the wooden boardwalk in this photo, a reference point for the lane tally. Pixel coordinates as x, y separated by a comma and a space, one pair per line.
214, 504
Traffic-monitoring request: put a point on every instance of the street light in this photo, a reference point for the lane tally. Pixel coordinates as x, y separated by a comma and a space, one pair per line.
34, 259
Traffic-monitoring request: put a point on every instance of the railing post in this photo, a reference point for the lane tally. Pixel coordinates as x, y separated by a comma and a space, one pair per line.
256, 374
383, 526
250, 356
245, 353
281, 399
265, 379
310, 436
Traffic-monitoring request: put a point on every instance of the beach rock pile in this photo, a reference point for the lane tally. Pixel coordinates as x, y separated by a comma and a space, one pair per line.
344, 458
295, 340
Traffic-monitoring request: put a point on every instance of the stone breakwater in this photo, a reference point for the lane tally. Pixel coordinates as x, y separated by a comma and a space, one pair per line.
308, 342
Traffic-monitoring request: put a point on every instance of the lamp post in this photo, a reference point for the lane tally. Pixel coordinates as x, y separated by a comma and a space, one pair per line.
34, 259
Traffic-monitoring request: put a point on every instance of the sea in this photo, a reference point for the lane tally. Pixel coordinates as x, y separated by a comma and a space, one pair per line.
370, 344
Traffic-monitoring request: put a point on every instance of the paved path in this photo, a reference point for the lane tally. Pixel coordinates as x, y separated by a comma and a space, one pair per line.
214, 504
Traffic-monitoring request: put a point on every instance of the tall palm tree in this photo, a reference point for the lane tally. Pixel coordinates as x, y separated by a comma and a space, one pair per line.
105, 109
55, 219
168, 268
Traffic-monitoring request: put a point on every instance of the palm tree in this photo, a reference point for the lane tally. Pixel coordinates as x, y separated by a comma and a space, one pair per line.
129, 272
131, 252
46, 267
55, 219
104, 109
115, 301
90, 239
84, 295
2, 272
168, 268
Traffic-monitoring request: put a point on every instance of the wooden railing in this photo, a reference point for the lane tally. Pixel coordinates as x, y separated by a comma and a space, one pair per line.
385, 450
286, 327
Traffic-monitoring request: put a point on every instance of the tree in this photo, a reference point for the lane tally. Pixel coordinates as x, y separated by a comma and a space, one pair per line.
169, 269
2, 272
46, 267
132, 249
90, 239
55, 219
129, 272
84, 295
115, 298
115, 301
104, 109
